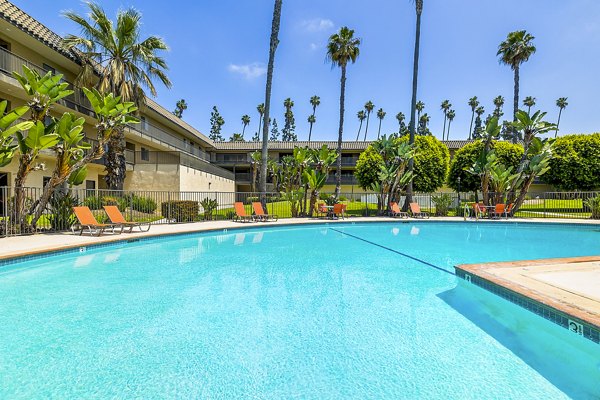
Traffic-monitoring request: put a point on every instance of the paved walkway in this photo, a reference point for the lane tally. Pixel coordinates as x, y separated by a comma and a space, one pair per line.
40, 243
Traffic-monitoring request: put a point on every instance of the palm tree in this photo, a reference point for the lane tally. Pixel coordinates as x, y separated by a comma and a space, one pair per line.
445, 107
245, 122
450, 114
473, 103
529, 102
498, 103
361, 117
274, 41
420, 107
400, 117
381, 116
369, 106
315, 101
126, 65
261, 110
180, 107
514, 51
561, 103
342, 48
237, 137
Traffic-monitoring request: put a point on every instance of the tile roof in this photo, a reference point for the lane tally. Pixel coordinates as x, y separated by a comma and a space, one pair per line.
348, 145
34, 28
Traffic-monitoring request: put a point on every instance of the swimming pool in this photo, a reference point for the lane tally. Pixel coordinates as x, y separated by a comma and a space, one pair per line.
320, 312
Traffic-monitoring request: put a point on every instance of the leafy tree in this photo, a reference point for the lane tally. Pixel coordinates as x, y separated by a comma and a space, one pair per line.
361, 117
514, 51
315, 101
423, 129
402, 128
529, 102
473, 103
274, 131
342, 48
274, 41
126, 64
216, 123
369, 106
8, 129
380, 116
478, 125
451, 114
445, 107
288, 133
180, 107
508, 154
367, 168
561, 103
576, 163
315, 175
498, 103
245, 123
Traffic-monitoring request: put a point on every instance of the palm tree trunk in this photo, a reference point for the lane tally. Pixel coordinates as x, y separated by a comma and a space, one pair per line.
359, 129
367, 127
379, 130
557, 123
259, 125
338, 172
310, 132
471, 127
516, 102
243, 130
444, 130
265, 133
448, 132
413, 106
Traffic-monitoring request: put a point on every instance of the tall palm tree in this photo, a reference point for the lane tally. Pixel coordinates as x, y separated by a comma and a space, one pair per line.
561, 103
473, 103
180, 107
450, 114
514, 51
315, 101
245, 123
529, 102
369, 106
361, 117
445, 107
381, 116
274, 41
419, 107
342, 48
261, 111
125, 63
498, 103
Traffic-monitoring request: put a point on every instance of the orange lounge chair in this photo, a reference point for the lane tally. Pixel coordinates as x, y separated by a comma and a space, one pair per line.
338, 211
240, 213
87, 220
478, 210
416, 212
396, 212
322, 210
117, 218
260, 214
501, 210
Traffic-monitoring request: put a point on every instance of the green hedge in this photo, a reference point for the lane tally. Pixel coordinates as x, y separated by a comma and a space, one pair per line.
180, 210
576, 163
143, 204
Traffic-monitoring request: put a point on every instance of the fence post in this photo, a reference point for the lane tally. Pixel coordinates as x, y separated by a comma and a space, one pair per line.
544, 199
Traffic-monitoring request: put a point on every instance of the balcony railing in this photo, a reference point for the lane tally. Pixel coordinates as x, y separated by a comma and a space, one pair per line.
242, 177
77, 101
346, 179
179, 158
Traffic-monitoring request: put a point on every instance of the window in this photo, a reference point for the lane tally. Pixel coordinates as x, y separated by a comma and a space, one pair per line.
144, 123
49, 68
90, 185
5, 45
145, 154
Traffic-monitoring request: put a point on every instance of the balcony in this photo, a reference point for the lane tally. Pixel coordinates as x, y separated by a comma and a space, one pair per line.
77, 101
243, 177
177, 158
233, 159
346, 180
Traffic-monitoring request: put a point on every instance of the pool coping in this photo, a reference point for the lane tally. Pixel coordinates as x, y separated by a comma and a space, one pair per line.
87, 241
572, 317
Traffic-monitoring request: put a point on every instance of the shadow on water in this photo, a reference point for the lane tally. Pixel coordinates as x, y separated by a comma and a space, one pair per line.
569, 362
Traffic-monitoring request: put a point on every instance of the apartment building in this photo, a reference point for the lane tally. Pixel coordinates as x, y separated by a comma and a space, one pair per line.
163, 152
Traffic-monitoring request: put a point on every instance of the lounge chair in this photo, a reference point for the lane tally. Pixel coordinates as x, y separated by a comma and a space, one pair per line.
260, 214
501, 210
396, 212
479, 210
322, 210
416, 212
240, 213
87, 220
117, 218
338, 211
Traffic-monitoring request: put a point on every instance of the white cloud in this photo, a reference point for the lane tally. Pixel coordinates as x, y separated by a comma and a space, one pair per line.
314, 46
248, 71
316, 25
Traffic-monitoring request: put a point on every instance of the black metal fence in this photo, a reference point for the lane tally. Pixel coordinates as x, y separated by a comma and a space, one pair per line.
163, 207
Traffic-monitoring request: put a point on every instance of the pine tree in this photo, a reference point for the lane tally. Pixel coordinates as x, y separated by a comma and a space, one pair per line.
288, 133
216, 123
274, 132
478, 125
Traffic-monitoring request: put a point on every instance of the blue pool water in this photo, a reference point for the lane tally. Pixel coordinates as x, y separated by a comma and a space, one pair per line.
352, 311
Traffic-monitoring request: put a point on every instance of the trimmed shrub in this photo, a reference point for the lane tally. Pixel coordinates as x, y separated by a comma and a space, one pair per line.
431, 163
508, 154
442, 202
593, 204
143, 204
180, 210
576, 163
367, 168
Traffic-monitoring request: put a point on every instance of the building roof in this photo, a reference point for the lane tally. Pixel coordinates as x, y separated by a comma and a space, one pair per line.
33, 27
348, 145
150, 103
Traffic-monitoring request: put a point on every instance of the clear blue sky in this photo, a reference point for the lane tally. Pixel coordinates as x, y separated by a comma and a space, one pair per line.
218, 50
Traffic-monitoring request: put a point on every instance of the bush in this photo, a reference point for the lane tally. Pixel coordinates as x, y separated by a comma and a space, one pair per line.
367, 168
342, 198
508, 154
593, 204
431, 163
209, 206
60, 208
250, 199
180, 210
93, 202
576, 163
442, 202
143, 204
96, 202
